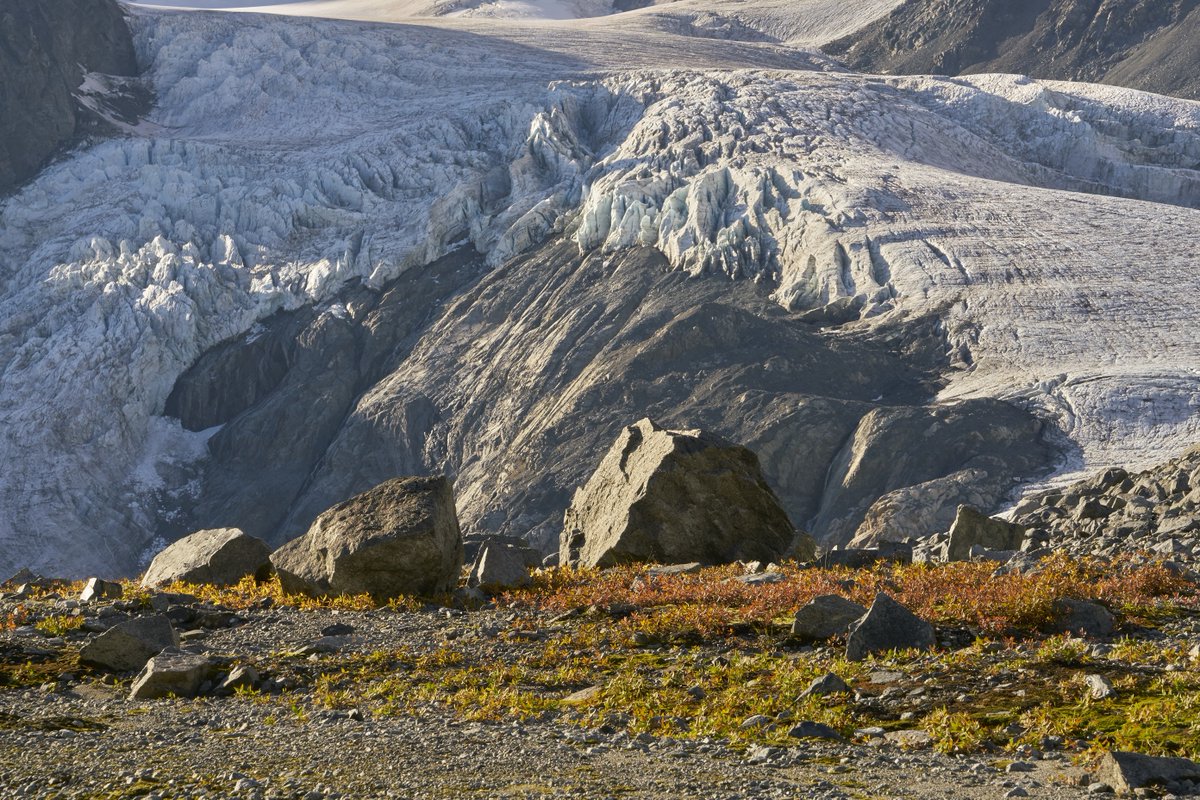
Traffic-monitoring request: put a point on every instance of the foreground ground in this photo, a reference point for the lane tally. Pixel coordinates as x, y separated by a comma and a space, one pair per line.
615, 684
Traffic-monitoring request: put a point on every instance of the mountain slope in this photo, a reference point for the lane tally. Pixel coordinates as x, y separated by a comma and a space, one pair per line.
337, 251
1142, 44
46, 49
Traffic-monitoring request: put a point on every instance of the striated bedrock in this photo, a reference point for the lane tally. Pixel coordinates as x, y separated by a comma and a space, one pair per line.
1142, 44
46, 51
518, 382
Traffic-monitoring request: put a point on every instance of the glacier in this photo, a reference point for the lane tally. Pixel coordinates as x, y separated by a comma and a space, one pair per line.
1052, 228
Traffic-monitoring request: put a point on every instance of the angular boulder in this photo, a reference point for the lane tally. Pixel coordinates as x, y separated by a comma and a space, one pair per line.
888, 626
972, 528
218, 557
1126, 772
399, 538
1083, 617
825, 616
129, 645
97, 589
674, 497
501, 565
172, 673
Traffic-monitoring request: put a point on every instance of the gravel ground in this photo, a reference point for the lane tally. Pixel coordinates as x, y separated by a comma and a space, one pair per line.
82, 737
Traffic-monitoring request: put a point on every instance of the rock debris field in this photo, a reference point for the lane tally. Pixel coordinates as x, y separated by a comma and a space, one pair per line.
1025, 673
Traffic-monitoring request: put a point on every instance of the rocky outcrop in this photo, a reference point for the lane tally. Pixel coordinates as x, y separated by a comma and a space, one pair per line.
1157, 510
45, 51
668, 497
400, 538
1142, 44
825, 616
219, 557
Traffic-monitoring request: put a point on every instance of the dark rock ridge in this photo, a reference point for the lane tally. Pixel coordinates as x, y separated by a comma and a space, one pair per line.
514, 381
46, 48
1141, 44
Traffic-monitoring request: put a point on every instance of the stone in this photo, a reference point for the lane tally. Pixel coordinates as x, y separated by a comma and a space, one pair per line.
97, 589
240, 677
691, 568
582, 696
1099, 687
128, 645
1083, 617
761, 578
501, 566
814, 730
825, 616
972, 527
172, 673
217, 557
829, 683
663, 496
1125, 771
888, 625
400, 538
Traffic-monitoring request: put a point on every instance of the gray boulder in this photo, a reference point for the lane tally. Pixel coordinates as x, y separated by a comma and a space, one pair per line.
972, 528
172, 673
888, 626
829, 683
501, 565
130, 644
673, 497
1125, 772
402, 537
825, 616
1084, 617
219, 557
97, 589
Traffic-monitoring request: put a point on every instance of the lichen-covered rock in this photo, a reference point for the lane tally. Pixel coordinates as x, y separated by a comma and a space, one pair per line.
672, 497
400, 538
219, 557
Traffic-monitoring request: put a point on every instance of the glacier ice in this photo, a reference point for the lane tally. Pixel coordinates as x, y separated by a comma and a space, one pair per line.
1052, 226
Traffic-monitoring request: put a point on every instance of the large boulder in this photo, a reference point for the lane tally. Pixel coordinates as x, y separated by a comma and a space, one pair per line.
129, 645
972, 528
220, 557
825, 616
172, 673
677, 496
1126, 772
888, 626
501, 565
402, 537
